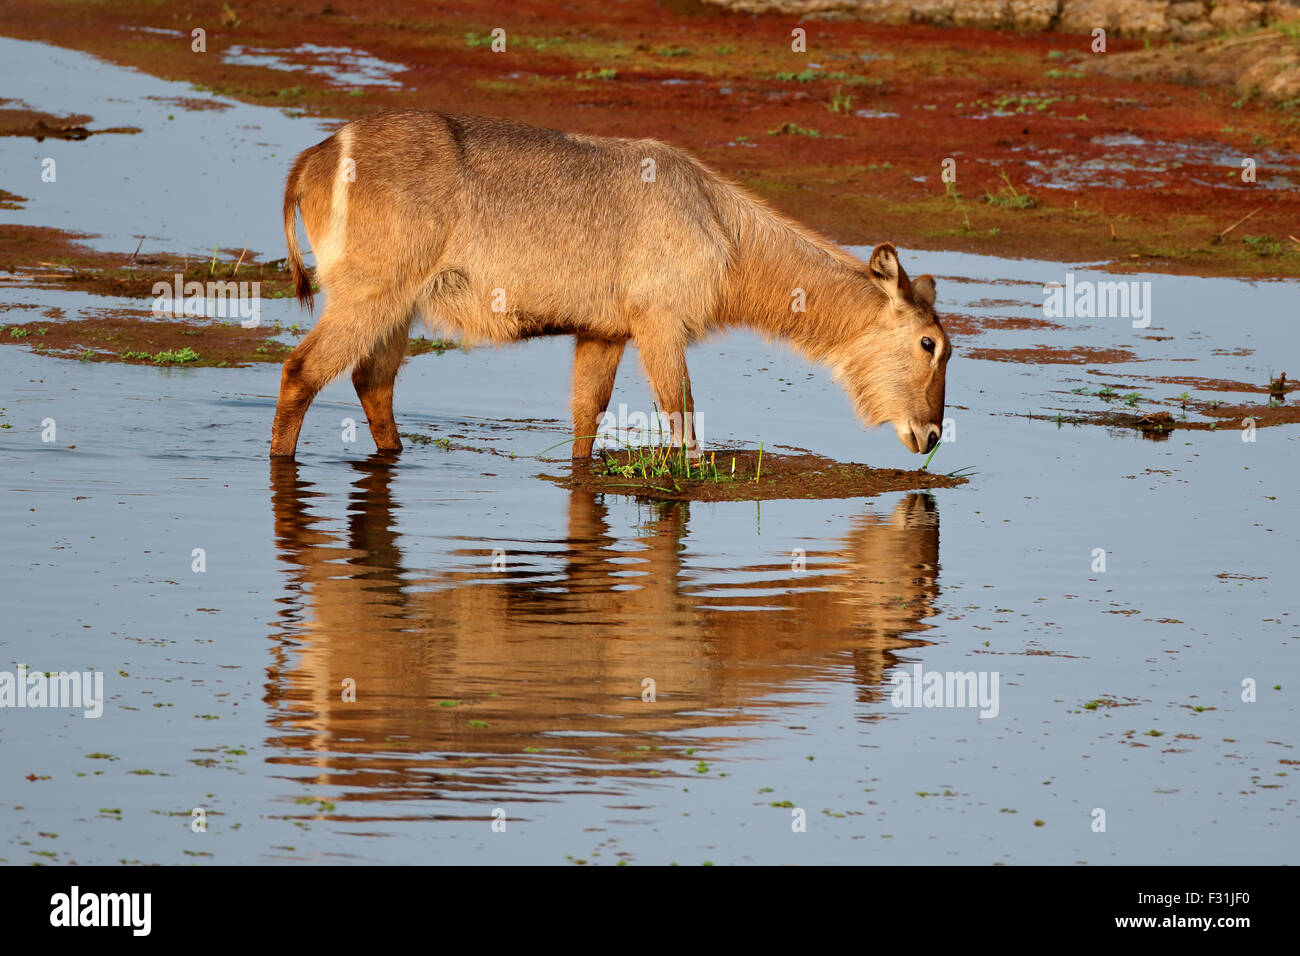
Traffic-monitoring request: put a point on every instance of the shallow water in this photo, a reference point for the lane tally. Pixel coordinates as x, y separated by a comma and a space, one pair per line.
344, 66
189, 180
519, 688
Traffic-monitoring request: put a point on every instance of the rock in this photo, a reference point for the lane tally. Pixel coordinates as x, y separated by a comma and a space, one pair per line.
1182, 20
1031, 14
1190, 31
1236, 15
1185, 12
1121, 17
1275, 77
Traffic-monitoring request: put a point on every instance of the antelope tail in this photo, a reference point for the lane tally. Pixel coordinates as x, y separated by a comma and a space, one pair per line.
292, 193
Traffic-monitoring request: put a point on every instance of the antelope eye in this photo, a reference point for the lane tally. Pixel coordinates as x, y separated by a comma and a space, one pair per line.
927, 343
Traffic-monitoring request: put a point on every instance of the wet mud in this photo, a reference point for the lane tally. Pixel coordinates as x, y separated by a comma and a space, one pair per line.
1159, 424
144, 339
41, 126
1055, 355
44, 257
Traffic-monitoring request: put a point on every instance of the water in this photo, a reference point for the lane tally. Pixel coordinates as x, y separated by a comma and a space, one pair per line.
190, 180
519, 688
343, 66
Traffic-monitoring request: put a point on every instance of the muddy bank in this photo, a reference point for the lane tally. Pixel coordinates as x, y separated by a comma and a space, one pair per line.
1278, 386
40, 126
738, 475
1161, 424
142, 339
54, 258
135, 337
1156, 416
1050, 160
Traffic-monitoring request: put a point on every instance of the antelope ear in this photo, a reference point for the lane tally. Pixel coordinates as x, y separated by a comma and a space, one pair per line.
887, 274
923, 289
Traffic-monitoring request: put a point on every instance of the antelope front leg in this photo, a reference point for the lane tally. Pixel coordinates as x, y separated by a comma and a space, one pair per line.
300, 380
595, 363
665, 366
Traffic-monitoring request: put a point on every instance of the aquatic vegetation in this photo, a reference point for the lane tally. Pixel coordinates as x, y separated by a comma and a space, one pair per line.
840, 102
804, 76
172, 357
1262, 245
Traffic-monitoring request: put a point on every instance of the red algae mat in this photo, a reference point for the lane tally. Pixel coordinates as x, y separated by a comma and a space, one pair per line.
1051, 158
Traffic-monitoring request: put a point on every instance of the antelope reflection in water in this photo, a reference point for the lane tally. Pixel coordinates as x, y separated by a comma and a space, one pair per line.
556, 662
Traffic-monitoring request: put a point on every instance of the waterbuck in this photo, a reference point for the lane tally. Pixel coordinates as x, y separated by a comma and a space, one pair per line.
496, 231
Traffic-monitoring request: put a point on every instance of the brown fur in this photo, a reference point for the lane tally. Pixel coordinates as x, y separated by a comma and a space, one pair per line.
494, 231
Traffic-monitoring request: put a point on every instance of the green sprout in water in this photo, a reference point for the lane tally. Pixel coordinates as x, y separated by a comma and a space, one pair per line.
933, 451
964, 472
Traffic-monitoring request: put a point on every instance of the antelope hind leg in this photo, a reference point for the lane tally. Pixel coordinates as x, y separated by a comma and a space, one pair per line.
346, 333
374, 378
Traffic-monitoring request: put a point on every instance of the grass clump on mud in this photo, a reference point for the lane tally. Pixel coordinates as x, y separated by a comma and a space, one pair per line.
169, 357
794, 129
423, 346
739, 474
670, 465
1008, 197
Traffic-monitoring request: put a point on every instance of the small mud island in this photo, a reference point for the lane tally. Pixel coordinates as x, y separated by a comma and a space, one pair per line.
740, 474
